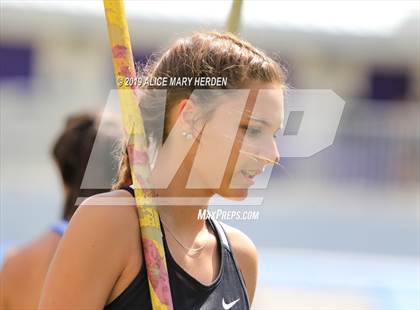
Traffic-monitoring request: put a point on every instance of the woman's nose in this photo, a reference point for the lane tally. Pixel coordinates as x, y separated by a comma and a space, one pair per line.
270, 152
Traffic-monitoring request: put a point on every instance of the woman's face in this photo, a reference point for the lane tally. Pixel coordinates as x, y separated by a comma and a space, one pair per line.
238, 140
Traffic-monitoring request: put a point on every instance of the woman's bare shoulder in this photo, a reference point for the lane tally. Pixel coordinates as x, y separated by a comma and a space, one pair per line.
103, 222
118, 205
112, 214
240, 242
101, 240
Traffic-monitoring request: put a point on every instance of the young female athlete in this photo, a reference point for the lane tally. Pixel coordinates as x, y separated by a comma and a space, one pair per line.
23, 273
99, 262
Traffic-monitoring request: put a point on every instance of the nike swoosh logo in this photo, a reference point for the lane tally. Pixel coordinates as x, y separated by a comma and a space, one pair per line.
229, 305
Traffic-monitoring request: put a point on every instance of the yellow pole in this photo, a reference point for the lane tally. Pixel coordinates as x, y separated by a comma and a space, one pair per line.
234, 17
154, 254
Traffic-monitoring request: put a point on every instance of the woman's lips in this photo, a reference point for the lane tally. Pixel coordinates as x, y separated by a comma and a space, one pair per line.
249, 175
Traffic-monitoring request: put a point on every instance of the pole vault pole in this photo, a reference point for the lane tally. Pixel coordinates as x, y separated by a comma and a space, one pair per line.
154, 254
234, 19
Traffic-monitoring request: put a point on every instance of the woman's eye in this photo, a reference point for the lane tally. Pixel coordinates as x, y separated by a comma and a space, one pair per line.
251, 131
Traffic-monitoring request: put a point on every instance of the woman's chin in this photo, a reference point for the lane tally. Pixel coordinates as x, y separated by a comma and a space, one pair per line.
237, 194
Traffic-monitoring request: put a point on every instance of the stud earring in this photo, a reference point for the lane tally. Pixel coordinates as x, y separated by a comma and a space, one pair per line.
187, 135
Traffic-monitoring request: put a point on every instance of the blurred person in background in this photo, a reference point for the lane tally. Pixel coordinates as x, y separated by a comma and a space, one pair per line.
22, 275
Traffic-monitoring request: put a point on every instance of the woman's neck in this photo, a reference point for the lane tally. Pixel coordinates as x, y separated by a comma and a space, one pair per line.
179, 206
182, 213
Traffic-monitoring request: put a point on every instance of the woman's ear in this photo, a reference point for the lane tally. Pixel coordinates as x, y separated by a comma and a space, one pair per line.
187, 113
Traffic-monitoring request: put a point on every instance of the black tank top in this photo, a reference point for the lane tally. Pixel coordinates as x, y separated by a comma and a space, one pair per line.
228, 291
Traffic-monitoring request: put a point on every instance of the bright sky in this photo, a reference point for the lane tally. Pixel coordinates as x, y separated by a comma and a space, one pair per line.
372, 17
